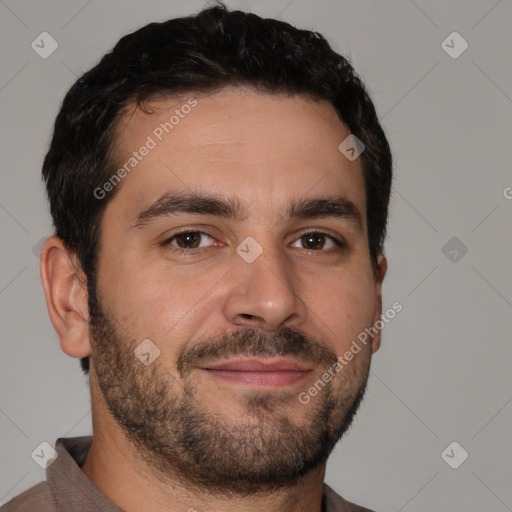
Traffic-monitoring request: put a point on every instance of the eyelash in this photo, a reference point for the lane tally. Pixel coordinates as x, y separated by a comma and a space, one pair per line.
168, 242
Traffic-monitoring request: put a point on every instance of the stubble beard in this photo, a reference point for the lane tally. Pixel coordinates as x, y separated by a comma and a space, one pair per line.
183, 440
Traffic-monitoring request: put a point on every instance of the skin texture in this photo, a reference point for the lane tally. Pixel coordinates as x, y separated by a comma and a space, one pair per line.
265, 151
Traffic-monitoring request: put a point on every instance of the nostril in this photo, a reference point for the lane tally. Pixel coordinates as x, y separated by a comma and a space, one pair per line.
252, 318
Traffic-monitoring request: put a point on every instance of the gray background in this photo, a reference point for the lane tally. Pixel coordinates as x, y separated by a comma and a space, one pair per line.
441, 374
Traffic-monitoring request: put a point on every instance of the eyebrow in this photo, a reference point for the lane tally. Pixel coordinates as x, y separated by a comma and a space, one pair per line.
199, 204
232, 208
316, 208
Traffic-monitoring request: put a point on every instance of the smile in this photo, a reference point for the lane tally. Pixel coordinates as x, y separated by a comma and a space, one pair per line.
260, 372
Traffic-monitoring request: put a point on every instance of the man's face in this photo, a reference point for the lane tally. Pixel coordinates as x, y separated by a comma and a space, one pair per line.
249, 303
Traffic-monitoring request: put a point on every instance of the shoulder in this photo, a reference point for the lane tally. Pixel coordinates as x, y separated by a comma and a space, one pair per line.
335, 503
35, 499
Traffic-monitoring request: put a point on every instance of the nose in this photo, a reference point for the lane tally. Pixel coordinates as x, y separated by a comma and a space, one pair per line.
263, 294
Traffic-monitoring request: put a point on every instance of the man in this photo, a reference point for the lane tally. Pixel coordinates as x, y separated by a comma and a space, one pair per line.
219, 186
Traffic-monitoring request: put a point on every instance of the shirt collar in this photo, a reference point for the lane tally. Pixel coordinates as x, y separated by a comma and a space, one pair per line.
69, 485
73, 490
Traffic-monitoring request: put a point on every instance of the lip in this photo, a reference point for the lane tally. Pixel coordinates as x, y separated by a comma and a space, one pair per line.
277, 372
260, 365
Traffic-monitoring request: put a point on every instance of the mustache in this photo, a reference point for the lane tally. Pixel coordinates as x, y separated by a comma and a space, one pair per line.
254, 342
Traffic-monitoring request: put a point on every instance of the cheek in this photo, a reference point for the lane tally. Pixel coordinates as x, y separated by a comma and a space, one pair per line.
158, 302
343, 307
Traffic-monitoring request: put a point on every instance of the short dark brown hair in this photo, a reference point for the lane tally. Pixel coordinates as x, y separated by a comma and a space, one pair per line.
198, 54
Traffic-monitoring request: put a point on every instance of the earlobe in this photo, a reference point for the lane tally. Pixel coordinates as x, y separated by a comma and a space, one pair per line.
382, 266
65, 290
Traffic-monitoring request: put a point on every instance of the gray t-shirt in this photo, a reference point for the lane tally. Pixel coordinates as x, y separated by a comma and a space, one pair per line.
67, 489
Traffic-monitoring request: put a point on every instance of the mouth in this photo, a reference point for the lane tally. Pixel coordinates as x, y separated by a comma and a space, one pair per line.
254, 372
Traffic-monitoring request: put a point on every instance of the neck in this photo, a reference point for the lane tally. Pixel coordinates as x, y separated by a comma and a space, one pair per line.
116, 468
124, 478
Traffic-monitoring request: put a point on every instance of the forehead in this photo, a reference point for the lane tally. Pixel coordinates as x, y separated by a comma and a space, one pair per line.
262, 148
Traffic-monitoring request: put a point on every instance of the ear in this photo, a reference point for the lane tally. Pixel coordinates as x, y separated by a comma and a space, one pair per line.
65, 289
382, 266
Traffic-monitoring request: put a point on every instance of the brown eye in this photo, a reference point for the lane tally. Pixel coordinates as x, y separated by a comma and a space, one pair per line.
313, 241
317, 241
189, 240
